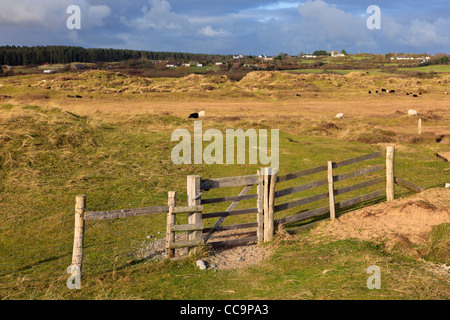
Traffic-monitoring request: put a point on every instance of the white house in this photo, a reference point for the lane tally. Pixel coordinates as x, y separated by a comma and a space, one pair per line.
263, 57
336, 54
238, 56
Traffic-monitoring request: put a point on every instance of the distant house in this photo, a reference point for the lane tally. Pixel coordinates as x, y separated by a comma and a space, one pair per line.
49, 71
310, 56
402, 58
220, 63
172, 65
263, 57
199, 65
238, 56
336, 54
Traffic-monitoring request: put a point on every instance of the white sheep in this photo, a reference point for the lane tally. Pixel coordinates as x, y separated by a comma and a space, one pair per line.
201, 114
339, 115
412, 112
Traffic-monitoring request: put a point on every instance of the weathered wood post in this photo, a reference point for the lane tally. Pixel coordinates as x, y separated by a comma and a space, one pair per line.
194, 199
260, 206
270, 181
419, 126
331, 191
78, 238
390, 151
170, 234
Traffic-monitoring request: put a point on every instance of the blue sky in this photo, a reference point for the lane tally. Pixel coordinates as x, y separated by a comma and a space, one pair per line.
232, 26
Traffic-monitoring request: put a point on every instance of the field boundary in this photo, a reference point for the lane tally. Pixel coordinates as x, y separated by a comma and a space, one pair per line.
266, 181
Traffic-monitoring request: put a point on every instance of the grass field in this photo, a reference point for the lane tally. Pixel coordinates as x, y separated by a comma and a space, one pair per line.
434, 68
114, 145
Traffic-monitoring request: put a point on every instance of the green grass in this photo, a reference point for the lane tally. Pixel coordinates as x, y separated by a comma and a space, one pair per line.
433, 68
48, 156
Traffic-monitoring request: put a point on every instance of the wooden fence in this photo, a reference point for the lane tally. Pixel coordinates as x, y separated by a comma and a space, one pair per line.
266, 181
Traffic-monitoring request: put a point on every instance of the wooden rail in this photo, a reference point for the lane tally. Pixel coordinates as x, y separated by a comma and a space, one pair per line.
124, 213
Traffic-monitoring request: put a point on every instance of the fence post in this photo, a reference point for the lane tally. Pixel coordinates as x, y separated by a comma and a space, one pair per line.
170, 235
260, 206
78, 238
390, 151
331, 191
194, 199
419, 126
270, 180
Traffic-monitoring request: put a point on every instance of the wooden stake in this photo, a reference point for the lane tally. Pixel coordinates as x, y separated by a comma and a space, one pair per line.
266, 203
170, 235
194, 199
419, 127
390, 151
260, 206
78, 239
270, 181
273, 183
331, 191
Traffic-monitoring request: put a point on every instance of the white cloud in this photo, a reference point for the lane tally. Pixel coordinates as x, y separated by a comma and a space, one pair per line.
210, 32
330, 23
158, 16
96, 14
418, 33
49, 14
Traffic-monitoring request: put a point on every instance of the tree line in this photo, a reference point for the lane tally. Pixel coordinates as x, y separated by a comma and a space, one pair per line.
38, 55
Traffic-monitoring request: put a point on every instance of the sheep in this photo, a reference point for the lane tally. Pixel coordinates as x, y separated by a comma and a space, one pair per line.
383, 90
392, 91
412, 113
202, 114
415, 96
339, 115
370, 92
193, 115
446, 92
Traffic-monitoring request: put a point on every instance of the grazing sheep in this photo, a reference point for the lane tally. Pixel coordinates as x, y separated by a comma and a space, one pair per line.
415, 96
193, 115
392, 91
383, 90
407, 94
370, 92
78, 96
202, 114
339, 115
412, 112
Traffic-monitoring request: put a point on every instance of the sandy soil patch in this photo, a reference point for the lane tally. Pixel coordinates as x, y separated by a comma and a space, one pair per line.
407, 220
